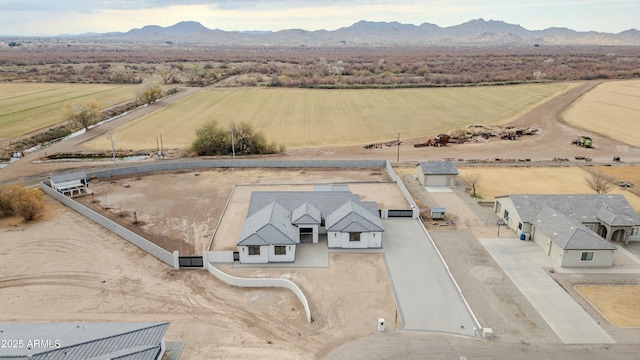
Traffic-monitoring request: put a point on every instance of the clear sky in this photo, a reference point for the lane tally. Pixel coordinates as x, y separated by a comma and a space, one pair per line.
54, 17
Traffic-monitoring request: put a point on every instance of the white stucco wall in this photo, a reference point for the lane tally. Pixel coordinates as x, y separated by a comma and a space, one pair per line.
263, 258
367, 240
514, 218
420, 174
290, 256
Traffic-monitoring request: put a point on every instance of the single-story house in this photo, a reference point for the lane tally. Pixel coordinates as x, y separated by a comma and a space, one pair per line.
574, 230
70, 184
278, 221
144, 341
437, 173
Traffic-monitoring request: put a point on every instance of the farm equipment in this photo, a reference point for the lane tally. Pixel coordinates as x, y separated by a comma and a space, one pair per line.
438, 141
583, 141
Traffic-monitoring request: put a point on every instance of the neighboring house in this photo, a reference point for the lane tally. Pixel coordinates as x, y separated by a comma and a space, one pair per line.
142, 341
277, 221
70, 184
437, 173
574, 230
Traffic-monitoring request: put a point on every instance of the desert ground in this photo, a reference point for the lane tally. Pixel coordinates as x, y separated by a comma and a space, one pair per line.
88, 274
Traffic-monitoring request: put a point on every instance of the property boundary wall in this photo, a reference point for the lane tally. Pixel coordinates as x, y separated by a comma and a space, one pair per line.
246, 163
403, 189
137, 240
262, 282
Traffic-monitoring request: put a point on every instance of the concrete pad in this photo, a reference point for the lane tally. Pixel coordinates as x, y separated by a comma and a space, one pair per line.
523, 262
438, 189
427, 296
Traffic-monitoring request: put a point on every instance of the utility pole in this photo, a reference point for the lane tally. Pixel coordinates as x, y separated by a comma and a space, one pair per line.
161, 146
398, 158
233, 145
113, 148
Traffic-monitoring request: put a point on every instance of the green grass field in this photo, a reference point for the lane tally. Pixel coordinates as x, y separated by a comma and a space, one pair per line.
305, 117
26, 107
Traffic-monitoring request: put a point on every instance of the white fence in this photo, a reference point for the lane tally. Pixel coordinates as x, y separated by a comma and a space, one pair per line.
262, 282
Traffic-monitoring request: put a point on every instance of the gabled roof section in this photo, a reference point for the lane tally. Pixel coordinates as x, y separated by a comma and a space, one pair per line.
306, 214
270, 225
78, 175
439, 168
568, 233
611, 216
86, 340
352, 217
580, 207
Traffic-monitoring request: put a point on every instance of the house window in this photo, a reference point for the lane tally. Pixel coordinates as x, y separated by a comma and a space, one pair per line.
280, 250
254, 250
519, 226
589, 226
634, 231
506, 215
586, 256
322, 222
354, 236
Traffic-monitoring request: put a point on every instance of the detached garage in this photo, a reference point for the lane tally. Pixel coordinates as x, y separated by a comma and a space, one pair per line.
437, 173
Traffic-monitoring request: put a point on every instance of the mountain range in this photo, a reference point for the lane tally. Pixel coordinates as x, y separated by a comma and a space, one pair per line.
366, 33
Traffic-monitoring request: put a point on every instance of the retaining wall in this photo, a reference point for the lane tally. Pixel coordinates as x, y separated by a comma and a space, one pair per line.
245, 163
137, 240
262, 282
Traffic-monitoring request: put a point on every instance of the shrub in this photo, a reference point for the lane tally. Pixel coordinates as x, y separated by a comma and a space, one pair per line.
15, 199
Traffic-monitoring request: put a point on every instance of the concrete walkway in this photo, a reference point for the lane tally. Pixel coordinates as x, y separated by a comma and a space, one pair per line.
523, 262
427, 296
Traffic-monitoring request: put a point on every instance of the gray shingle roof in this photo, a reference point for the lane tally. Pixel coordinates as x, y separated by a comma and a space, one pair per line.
439, 168
270, 225
351, 217
583, 208
610, 215
306, 214
568, 233
136, 341
272, 215
325, 201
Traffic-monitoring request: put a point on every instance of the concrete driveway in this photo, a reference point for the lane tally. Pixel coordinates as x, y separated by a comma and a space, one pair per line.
524, 263
426, 294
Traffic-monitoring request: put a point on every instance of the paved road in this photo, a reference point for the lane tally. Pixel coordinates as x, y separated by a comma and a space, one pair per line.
427, 296
523, 262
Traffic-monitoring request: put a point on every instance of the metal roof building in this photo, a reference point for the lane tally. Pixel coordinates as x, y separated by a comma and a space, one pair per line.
87, 341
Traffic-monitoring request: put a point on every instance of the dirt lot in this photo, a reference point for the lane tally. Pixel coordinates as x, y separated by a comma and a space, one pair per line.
619, 304
77, 271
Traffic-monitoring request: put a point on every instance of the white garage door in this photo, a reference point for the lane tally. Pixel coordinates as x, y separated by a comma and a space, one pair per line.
436, 180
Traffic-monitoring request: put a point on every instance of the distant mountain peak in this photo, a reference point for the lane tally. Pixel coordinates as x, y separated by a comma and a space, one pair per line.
379, 33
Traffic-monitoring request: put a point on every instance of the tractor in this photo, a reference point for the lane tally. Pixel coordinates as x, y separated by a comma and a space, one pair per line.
583, 141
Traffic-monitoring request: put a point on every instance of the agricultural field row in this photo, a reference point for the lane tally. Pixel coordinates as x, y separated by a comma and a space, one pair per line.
26, 107
611, 109
306, 117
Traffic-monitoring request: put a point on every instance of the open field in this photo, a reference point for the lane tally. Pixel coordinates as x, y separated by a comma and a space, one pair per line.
304, 117
611, 109
619, 304
26, 107
496, 181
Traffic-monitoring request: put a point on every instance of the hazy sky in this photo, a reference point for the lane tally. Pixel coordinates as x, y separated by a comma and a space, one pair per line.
54, 17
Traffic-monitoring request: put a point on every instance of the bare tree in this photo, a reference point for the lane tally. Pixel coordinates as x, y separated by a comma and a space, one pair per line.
150, 90
472, 180
599, 182
83, 112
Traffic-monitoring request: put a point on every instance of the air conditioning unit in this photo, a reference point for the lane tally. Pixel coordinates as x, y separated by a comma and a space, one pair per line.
487, 333
527, 236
